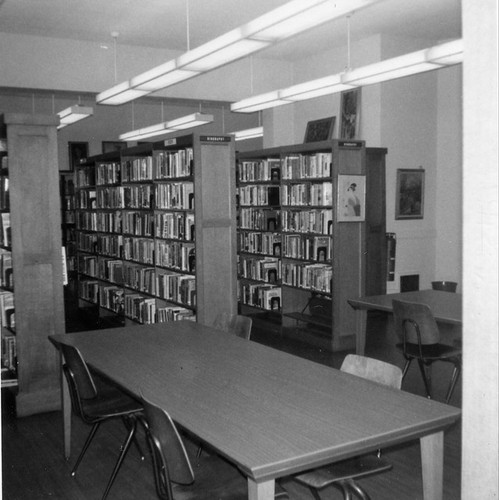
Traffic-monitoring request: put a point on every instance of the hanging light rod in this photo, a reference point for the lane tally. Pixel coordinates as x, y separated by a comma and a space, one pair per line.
446, 54
73, 114
249, 133
290, 19
184, 122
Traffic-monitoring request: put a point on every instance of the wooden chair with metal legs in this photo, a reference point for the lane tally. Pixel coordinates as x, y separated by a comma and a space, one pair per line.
237, 324
95, 402
420, 340
344, 475
174, 472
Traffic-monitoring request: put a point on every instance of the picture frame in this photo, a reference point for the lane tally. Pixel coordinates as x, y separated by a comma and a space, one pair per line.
350, 114
320, 130
351, 206
112, 146
409, 202
78, 152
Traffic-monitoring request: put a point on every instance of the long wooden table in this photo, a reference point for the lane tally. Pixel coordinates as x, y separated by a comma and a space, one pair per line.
446, 308
270, 413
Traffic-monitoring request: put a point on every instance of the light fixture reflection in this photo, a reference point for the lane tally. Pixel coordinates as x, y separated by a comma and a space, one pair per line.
73, 114
249, 133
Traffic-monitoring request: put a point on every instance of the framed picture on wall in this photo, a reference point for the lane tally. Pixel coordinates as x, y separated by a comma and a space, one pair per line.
320, 130
351, 198
409, 202
350, 114
110, 146
78, 151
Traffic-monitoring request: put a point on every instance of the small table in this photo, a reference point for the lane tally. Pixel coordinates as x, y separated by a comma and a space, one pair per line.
445, 306
268, 412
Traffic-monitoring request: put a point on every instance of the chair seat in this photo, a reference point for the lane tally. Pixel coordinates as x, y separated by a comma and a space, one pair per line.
110, 402
431, 351
354, 468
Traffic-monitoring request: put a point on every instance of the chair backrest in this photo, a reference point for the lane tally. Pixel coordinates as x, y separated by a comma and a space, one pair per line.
446, 286
168, 445
78, 370
413, 320
234, 323
373, 369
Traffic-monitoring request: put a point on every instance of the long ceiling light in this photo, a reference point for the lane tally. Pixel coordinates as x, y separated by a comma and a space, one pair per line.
290, 19
73, 114
249, 133
184, 122
445, 54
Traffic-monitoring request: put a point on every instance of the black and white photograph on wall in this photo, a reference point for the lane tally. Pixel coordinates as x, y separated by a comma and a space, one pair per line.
320, 130
351, 198
78, 151
409, 203
350, 114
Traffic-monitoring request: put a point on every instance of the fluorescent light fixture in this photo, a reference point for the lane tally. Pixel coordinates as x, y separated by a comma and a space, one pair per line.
446, 53
290, 19
189, 121
314, 88
258, 102
74, 114
249, 133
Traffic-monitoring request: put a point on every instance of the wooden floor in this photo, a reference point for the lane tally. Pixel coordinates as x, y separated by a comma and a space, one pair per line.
33, 466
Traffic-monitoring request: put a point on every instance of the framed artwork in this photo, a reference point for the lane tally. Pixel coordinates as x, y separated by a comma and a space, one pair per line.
320, 130
351, 198
78, 152
350, 114
110, 146
409, 194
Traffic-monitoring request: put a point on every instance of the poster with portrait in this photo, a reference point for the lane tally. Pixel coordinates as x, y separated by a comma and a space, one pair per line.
350, 114
351, 198
409, 203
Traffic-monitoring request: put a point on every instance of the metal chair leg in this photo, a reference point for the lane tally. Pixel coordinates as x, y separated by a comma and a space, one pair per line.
406, 367
426, 377
85, 447
455, 378
125, 447
358, 490
127, 420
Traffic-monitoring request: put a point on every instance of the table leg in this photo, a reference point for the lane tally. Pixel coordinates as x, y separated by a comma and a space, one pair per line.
360, 330
432, 462
261, 491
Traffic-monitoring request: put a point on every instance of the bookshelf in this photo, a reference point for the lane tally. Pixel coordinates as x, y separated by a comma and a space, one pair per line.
34, 244
140, 216
297, 262
68, 225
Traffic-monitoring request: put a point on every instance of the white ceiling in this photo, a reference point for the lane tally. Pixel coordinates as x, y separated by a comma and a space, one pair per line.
163, 23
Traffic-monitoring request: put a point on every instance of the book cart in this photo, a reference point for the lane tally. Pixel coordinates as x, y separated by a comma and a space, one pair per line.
156, 231
300, 257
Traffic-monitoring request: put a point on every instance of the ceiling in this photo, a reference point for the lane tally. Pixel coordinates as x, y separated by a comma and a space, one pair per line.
163, 23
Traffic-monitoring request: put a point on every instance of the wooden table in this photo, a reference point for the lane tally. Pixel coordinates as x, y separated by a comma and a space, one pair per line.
446, 308
268, 412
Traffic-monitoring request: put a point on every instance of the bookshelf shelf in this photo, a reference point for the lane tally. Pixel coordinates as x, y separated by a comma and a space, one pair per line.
317, 259
153, 204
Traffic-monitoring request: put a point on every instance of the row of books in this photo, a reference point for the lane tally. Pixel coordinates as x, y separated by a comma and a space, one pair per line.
317, 277
138, 249
176, 287
268, 169
9, 353
264, 296
137, 169
175, 225
86, 199
139, 196
108, 173
6, 274
259, 195
85, 177
106, 222
307, 166
111, 245
175, 195
267, 269
319, 221
260, 219
171, 164
318, 248
7, 310
140, 278
138, 223
307, 194
6, 232
176, 255
87, 264
266, 243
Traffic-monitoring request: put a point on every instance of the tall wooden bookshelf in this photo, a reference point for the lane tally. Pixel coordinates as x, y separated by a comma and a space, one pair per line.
35, 217
156, 231
299, 261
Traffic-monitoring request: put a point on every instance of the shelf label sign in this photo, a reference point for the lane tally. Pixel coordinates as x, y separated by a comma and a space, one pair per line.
214, 138
350, 144
170, 142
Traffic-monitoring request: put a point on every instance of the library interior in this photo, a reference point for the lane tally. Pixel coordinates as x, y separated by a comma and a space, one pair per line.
234, 226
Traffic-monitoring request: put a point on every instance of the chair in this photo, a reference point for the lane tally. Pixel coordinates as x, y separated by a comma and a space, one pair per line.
420, 340
344, 474
96, 404
173, 471
234, 323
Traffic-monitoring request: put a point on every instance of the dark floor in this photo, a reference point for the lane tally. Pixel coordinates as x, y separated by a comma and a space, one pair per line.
33, 466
